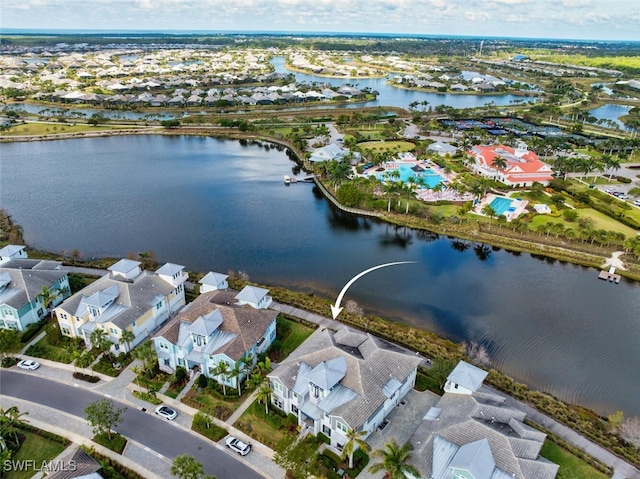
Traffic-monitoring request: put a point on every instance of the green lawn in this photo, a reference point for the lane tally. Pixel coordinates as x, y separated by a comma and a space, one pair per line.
209, 402
378, 146
297, 334
571, 467
255, 423
53, 128
35, 448
601, 221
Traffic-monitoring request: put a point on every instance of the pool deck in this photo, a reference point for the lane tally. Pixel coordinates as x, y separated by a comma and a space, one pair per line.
518, 205
424, 194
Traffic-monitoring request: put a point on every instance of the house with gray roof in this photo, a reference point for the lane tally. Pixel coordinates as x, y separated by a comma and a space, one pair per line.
475, 435
216, 328
213, 281
21, 283
330, 152
337, 381
126, 298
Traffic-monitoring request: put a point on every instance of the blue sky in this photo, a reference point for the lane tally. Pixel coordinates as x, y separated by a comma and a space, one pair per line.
580, 19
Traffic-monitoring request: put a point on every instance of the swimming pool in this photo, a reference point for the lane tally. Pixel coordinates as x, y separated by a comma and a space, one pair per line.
428, 176
500, 205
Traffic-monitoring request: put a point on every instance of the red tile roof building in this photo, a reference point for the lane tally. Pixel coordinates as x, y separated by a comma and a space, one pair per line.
523, 167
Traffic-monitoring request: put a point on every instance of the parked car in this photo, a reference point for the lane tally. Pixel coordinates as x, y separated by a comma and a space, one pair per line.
166, 412
238, 446
636, 202
29, 364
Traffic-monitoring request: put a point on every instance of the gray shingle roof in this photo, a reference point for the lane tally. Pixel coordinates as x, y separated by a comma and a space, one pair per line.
133, 299
466, 419
369, 368
240, 328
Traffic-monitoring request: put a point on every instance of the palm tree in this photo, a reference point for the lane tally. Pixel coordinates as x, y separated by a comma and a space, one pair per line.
488, 211
127, 337
186, 467
48, 296
100, 340
354, 441
499, 163
264, 396
146, 353
394, 461
265, 365
222, 371
10, 421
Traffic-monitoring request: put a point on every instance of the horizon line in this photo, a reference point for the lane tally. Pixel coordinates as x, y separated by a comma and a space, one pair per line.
179, 31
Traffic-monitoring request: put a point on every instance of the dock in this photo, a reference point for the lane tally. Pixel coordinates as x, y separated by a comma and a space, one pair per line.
610, 275
294, 179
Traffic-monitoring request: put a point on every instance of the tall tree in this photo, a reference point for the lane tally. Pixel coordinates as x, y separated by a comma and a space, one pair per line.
221, 371
354, 441
264, 396
102, 416
393, 461
127, 337
100, 340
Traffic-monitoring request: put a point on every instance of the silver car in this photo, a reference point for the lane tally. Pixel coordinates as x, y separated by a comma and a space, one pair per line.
237, 445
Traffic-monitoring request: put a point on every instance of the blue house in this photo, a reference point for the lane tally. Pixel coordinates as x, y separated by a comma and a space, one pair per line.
218, 327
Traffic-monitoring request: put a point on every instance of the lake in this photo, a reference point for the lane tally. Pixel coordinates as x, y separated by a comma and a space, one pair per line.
219, 205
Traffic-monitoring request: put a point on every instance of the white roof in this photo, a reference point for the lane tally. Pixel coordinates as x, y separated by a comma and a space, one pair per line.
213, 279
467, 376
124, 266
170, 269
251, 294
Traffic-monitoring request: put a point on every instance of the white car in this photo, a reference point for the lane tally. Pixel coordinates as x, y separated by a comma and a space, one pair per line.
29, 364
237, 445
166, 412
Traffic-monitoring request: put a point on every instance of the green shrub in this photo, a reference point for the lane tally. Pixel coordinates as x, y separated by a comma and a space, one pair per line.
86, 377
204, 425
202, 381
116, 444
149, 397
31, 330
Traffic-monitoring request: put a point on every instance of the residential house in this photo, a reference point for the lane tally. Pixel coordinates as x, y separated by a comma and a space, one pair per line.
343, 380
75, 465
127, 298
332, 152
217, 327
442, 148
21, 283
470, 432
213, 281
523, 167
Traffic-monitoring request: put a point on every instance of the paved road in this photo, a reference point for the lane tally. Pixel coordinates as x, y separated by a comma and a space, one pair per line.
145, 428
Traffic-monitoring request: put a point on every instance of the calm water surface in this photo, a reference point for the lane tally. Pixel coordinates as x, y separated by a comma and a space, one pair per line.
217, 205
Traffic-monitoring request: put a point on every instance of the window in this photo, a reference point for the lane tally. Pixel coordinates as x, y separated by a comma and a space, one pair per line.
133, 325
65, 331
278, 402
326, 430
342, 427
117, 347
294, 409
159, 305
166, 362
164, 346
12, 325
277, 386
63, 316
2, 325
113, 331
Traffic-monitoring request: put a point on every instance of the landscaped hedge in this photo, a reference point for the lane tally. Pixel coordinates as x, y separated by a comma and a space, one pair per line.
203, 424
122, 471
117, 443
86, 377
31, 330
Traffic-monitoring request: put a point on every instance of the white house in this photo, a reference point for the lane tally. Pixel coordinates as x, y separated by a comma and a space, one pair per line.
216, 327
464, 379
21, 283
255, 297
127, 298
213, 281
329, 152
337, 381
473, 434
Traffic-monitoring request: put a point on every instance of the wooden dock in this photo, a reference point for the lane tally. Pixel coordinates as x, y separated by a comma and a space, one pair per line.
609, 276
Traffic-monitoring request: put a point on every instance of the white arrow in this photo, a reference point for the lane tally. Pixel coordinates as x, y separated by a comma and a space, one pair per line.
335, 308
